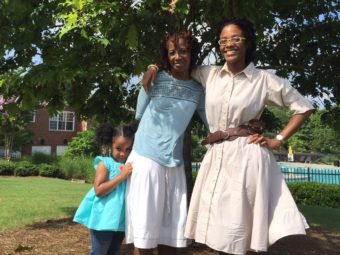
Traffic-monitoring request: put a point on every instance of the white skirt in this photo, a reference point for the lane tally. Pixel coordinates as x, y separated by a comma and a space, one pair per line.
240, 200
156, 204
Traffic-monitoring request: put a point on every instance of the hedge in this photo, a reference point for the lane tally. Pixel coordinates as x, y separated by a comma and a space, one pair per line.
47, 170
25, 168
316, 194
7, 167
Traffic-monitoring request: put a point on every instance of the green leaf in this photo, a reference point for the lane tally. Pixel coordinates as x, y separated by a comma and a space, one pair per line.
132, 37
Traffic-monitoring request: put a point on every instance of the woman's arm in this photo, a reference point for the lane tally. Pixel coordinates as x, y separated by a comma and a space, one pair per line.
143, 101
293, 125
149, 77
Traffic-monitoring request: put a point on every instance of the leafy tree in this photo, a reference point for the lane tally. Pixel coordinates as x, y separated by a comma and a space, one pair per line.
331, 118
324, 138
89, 50
314, 136
13, 122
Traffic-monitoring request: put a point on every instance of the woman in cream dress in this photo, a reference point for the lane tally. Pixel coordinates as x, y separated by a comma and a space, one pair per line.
240, 200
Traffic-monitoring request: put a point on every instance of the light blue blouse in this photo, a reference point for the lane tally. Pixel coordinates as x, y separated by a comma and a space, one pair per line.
164, 116
107, 212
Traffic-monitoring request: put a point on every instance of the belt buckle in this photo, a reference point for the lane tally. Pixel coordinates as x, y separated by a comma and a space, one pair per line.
225, 135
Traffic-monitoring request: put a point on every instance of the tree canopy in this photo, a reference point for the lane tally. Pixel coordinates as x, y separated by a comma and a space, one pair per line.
83, 53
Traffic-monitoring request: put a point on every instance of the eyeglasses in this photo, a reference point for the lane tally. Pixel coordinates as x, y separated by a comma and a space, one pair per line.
237, 39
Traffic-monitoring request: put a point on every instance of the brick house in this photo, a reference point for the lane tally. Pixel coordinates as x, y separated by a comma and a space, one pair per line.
51, 134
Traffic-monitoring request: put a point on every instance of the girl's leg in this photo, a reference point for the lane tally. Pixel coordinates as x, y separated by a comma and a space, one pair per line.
116, 242
101, 241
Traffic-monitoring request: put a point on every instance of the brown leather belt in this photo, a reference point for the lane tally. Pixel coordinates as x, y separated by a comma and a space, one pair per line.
254, 127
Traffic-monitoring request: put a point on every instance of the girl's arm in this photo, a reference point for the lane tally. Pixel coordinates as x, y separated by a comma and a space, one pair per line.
103, 186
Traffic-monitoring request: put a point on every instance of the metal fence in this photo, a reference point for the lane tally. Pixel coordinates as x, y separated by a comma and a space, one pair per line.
310, 174
302, 174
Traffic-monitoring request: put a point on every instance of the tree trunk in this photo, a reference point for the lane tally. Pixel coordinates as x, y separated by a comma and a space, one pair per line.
8, 146
187, 155
233, 8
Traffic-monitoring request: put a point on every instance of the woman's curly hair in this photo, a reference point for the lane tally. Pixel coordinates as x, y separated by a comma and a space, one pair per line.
193, 44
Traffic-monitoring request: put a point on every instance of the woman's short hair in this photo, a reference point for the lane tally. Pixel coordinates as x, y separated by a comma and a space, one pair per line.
174, 37
248, 32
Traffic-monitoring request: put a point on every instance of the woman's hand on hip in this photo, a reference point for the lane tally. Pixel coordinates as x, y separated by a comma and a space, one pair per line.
271, 144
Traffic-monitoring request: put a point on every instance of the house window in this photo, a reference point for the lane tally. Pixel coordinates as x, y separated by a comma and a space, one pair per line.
31, 117
64, 121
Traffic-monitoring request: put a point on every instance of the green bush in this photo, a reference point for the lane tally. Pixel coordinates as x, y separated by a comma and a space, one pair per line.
82, 145
194, 175
316, 194
6, 167
25, 168
77, 167
47, 170
198, 150
41, 158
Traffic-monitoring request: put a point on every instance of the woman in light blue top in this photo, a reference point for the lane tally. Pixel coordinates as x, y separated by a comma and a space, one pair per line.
103, 208
156, 195
240, 201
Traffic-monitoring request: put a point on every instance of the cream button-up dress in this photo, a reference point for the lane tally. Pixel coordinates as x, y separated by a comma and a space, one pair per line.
240, 200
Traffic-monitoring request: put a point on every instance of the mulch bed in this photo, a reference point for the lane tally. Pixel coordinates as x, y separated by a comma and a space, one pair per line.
62, 237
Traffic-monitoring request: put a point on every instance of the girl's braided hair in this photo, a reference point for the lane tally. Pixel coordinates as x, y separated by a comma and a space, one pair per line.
105, 133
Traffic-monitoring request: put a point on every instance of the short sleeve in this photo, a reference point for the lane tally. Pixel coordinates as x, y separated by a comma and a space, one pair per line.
97, 160
281, 93
111, 166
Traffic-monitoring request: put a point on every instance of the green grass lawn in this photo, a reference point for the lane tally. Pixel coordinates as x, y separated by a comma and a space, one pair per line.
323, 217
27, 200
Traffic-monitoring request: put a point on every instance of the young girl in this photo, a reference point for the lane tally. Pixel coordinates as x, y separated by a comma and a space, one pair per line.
103, 208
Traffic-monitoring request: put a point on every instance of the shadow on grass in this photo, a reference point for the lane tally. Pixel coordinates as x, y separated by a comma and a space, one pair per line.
52, 224
69, 210
57, 223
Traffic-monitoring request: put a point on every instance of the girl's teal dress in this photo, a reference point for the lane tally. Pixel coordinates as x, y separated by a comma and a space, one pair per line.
105, 213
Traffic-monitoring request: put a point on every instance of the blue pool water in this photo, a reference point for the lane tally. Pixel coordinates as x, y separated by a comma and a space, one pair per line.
310, 174
303, 174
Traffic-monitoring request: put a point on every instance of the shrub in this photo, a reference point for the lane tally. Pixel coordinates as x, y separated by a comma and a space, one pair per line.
40, 158
316, 194
82, 145
77, 167
25, 168
6, 167
47, 170
198, 150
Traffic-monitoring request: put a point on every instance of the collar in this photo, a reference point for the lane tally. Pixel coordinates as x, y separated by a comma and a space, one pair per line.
248, 71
